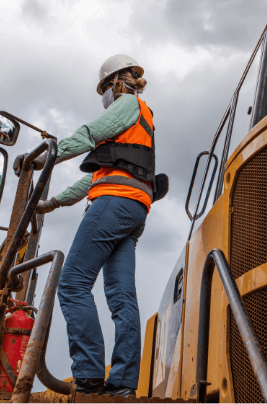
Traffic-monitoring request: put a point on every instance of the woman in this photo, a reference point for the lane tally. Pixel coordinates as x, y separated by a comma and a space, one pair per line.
122, 187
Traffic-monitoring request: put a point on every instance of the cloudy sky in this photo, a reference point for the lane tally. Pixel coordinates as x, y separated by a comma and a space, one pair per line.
193, 54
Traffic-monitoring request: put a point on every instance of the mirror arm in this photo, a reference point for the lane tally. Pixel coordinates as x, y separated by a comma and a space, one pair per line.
43, 133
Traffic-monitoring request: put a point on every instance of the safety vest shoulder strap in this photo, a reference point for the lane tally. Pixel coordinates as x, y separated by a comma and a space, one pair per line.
146, 126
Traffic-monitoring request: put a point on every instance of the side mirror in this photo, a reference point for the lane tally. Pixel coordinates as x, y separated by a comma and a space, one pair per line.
3, 169
9, 129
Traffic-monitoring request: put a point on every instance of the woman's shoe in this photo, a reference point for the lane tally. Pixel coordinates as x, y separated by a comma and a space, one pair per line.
115, 390
88, 386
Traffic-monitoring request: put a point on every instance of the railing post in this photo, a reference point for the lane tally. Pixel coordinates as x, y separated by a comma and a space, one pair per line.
27, 372
260, 110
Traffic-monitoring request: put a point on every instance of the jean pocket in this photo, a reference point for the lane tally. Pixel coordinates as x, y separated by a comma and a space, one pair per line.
124, 217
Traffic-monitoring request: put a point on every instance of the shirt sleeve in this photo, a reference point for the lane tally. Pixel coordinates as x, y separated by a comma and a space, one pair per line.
76, 192
120, 116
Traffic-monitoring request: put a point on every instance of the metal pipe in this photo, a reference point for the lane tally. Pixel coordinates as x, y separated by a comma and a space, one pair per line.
254, 350
260, 110
27, 265
225, 152
19, 206
192, 185
31, 206
251, 60
221, 125
34, 223
32, 287
31, 252
34, 154
216, 137
27, 372
30, 125
45, 376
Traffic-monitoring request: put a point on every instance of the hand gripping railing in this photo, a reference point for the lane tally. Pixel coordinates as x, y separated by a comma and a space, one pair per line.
27, 372
32, 204
243, 321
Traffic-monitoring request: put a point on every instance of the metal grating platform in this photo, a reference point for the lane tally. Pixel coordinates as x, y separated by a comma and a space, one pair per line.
49, 396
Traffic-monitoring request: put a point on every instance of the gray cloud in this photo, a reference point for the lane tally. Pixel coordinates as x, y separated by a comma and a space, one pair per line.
220, 23
34, 10
203, 23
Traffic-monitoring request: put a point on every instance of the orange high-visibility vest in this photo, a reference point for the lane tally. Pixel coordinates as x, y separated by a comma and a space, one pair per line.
118, 181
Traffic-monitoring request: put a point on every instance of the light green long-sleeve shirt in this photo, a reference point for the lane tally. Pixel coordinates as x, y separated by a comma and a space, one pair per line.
120, 116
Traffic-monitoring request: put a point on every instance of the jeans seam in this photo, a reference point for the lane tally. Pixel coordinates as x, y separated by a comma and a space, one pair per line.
77, 367
127, 344
122, 377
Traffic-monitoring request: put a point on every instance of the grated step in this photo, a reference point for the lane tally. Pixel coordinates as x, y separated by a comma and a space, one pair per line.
106, 398
52, 397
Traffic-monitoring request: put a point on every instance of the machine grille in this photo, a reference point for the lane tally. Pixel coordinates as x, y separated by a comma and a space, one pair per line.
249, 217
248, 250
246, 387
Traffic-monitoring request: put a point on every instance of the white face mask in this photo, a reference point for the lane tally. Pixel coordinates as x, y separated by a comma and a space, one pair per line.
108, 98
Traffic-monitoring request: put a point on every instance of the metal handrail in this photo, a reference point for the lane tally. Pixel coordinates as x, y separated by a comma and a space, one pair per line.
248, 334
192, 184
32, 204
231, 108
45, 377
28, 369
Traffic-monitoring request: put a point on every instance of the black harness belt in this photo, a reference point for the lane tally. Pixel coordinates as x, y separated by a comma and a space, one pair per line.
139, 160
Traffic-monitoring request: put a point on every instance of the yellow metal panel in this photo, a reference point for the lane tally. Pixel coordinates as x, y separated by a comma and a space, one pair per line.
214, 232
209, 235
107, 370
146, 361
255, 132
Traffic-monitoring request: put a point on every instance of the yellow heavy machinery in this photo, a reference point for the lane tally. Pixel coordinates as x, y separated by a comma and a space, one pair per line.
208, 340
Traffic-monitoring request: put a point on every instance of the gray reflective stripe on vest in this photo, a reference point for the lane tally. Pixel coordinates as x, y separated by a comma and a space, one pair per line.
129, 182
146, 126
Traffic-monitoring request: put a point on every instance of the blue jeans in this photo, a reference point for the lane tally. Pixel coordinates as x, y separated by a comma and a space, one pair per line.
107, 238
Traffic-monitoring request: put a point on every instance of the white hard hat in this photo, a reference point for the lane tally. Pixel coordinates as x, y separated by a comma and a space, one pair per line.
115, 64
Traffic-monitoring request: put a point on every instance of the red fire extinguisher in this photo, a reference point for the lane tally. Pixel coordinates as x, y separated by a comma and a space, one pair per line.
17, 332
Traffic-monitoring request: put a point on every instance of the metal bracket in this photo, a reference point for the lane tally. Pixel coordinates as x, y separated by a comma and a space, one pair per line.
196, 390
